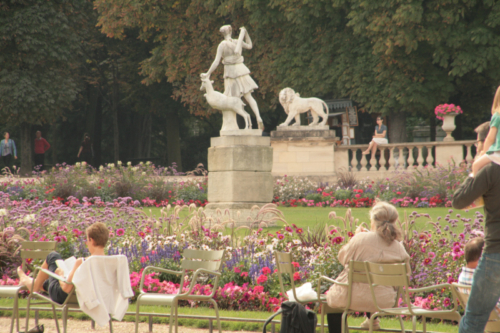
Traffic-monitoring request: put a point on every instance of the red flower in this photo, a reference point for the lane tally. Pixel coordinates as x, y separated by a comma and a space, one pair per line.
295, 264
261, 279
266, 270
296, 276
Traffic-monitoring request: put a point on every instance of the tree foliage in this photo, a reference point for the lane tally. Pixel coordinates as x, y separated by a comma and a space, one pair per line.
388, 56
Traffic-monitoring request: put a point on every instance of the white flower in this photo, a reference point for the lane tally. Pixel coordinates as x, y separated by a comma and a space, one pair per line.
296, 242
111, 165
54, 223
119, 162
101, 168
143, 173
129, 163
4, 212
148, 163
148, 238
205, 247
141, 163
29, 218
77, 164
84, 163
229, 248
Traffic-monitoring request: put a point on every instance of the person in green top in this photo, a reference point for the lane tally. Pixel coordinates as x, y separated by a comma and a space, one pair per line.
491, 148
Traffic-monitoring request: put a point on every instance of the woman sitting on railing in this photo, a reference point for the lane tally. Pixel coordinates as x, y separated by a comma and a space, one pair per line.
380, 245
379, 137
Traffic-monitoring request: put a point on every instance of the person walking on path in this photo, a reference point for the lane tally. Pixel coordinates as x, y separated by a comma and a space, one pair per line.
7, 150
86, 150
41, 146
485, 290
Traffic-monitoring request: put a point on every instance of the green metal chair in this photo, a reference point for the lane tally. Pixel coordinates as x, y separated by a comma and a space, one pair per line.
71, 302
463, 292
284, 265
356, 274
208, 262
29, 250
396, 275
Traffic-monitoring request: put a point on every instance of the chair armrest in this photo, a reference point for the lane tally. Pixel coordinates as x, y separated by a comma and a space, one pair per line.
152, 268
440, 286
327, 279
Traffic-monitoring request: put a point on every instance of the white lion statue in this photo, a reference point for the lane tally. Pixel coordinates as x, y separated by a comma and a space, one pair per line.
294, 105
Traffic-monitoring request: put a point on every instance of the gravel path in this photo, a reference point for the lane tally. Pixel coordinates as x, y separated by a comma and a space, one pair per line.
80, 326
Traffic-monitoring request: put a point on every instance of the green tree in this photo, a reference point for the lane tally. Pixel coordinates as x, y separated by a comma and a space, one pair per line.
38, 48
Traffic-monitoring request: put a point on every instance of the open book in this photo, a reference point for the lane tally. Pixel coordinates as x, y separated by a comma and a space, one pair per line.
66, 265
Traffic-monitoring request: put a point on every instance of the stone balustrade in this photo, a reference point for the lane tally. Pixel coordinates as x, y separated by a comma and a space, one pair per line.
401, 156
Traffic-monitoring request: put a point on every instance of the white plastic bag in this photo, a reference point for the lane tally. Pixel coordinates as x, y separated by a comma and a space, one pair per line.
304, 292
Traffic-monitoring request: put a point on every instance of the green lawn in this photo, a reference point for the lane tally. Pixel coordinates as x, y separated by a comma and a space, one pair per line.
310, 216
229, 325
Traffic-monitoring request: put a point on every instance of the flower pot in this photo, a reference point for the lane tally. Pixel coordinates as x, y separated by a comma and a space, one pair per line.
449, 125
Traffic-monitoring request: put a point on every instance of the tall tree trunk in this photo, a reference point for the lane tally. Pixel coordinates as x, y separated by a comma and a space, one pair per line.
116, 134
26, 163
143, 140
98, 132
397, 127
173, 141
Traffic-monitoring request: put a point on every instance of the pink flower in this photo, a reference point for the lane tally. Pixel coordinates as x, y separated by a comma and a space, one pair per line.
295, 264
141, 234
258, 289
281, 236
244, 274
120, 232
266, 270
296, 276
427, 261
236, 270
338, 240
261, 279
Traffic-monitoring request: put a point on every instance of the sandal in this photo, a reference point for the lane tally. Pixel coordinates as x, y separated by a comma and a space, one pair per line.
36, 329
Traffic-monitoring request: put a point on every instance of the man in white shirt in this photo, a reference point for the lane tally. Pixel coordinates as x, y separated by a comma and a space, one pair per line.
97, 238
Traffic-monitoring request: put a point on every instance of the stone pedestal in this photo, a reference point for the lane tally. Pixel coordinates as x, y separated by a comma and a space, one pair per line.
239, 176
303, 151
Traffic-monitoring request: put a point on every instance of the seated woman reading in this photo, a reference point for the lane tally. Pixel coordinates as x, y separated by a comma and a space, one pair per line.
97, 237
380, 245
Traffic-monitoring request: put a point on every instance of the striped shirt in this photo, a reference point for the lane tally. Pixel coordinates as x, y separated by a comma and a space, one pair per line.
465, 278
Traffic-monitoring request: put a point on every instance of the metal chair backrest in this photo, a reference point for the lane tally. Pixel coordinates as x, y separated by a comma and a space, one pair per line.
390, 275
195, 259
356, 273
200, 259
35, 250
284, 266
463, 292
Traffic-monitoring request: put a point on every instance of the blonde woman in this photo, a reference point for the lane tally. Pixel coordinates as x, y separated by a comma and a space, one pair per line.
491, 148
380, 244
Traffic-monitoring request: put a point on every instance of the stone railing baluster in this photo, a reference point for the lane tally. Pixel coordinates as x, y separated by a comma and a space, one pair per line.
392, 160
364, 162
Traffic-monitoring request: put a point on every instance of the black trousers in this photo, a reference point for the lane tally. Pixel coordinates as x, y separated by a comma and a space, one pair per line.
7, 159
39, 161
52, 285
335, 322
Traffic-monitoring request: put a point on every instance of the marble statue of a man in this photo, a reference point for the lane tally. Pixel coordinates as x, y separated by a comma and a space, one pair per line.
237, 80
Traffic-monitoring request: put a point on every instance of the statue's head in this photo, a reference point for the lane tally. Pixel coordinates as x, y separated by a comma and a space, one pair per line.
226, 30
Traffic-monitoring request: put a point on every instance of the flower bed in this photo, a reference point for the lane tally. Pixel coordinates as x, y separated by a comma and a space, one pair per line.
145, 184
249, 279
430, 187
